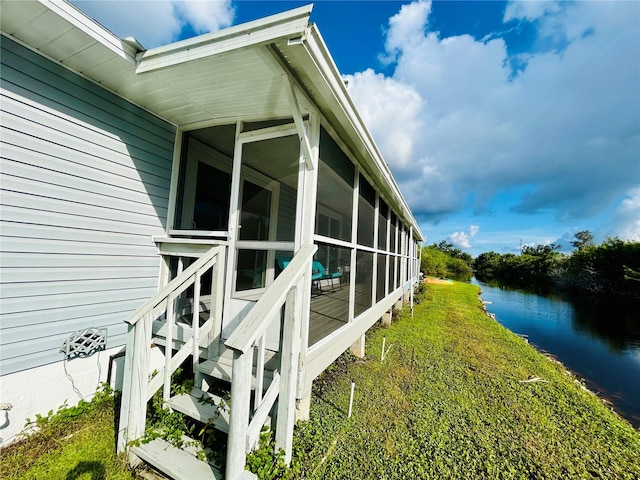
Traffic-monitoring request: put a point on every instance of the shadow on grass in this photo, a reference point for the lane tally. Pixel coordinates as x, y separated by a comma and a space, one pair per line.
117, 403
95, 469
335, 407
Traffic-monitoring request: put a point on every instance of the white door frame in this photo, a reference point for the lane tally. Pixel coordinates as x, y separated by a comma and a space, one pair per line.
237, 178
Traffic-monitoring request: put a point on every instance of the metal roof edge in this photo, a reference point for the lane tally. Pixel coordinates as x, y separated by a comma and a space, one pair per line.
321, 56
261, 31
91, 27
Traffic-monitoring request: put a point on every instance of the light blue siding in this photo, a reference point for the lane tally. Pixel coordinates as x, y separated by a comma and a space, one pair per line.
84, 185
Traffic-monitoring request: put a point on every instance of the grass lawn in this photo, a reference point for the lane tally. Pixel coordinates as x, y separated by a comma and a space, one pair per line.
448, 402
74, 444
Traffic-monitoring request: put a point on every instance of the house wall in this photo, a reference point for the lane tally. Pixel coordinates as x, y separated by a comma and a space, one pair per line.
84, 186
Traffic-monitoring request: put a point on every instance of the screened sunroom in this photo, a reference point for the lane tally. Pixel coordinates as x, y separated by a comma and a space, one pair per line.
238, 185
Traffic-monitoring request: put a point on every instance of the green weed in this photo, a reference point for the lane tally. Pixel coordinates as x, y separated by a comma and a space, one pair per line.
73, 442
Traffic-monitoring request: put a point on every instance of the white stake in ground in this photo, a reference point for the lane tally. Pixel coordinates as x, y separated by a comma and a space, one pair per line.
353, 387
383, 353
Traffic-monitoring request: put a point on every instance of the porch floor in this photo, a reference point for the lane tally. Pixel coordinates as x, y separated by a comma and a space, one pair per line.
329, 312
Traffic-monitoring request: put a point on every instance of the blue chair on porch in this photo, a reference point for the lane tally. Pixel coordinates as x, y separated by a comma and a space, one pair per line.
283, 262
319, 273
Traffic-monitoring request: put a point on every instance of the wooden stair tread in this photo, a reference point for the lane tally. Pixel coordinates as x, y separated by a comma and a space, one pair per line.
215, 369
223, 371
175, 462
221, 367
191, 404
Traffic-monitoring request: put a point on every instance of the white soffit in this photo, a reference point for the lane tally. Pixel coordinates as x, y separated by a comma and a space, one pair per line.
224, 74
59, 30
230, 84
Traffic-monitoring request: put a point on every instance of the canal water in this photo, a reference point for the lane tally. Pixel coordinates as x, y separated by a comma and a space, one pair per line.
600, 342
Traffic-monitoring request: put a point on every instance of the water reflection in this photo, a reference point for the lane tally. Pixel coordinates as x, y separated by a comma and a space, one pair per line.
598, 341
614, 321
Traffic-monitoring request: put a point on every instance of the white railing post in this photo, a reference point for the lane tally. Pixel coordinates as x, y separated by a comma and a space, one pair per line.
285, 290
136, 378
168, 348
239, 416
260, 370
195, 321
217, 291
289, 352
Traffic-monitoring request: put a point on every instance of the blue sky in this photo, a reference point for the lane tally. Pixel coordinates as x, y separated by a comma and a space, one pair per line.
504, 123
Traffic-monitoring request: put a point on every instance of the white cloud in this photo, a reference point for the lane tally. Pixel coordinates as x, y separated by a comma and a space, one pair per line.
626, 221
206, 16
163, 19
405, 27
463, 239
520, 10
391, 107
566, 126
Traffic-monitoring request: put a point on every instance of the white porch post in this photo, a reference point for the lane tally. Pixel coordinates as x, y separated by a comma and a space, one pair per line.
239, 418
290, 352
305, 226
136, 380
234, 207
374, 275
354, 240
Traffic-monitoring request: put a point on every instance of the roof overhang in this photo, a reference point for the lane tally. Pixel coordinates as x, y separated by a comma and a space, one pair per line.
230, 74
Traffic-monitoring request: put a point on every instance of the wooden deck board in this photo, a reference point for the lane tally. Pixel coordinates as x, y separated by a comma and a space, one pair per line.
329, 312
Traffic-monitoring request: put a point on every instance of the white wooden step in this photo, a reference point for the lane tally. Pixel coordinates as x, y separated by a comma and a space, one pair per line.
175, 462
223, 372
222, 366
191, 404
215, 369
182, 332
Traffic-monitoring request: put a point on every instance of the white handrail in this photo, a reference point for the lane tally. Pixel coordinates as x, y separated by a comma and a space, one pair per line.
173, 286
137, 386
285, 290
255, 324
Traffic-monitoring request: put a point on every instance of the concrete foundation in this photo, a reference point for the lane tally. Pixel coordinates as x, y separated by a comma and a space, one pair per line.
303, 408
23, 390
358, 347
385, 320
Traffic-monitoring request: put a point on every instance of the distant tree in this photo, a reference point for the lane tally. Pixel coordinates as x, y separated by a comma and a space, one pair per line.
435, 262
583, 239
453, 252
540, 250
487, 264
612, 268
609, 268
631, 274
536, 265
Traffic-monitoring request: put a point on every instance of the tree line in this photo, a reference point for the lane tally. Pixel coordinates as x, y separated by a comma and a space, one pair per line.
611, 268
446, 261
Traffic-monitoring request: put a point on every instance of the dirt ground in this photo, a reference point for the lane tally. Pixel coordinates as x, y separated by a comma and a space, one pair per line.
437, 281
